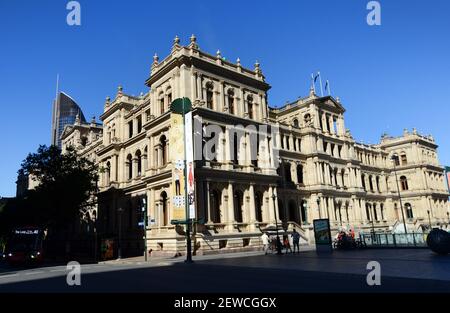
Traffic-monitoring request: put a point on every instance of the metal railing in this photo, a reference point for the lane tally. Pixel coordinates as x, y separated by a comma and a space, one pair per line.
386, 240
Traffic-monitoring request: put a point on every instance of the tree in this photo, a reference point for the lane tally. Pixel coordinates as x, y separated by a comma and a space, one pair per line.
66, 183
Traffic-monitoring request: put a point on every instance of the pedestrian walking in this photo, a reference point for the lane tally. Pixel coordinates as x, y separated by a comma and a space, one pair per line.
296, 240
286, 243
265, 241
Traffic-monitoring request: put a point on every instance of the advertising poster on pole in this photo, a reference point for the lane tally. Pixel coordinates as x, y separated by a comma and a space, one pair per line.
190, 165
177, 158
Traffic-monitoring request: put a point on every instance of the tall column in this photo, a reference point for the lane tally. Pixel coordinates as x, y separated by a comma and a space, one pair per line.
199, 86
264, 106
277, 138
112, 171
193, 83
241, 105
252, 208
221, 96
208, 202
291, 142
231, 218
228, 146
324, 123
364, 211
331, 122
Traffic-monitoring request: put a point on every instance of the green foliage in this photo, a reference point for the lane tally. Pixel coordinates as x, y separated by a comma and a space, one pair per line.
66, 182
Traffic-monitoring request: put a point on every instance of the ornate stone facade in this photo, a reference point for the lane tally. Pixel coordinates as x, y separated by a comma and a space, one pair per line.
311, 168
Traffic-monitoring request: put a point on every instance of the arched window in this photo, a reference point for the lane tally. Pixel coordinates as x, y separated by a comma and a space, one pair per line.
396, 159
307, 118
403, 182
130, 166
169, 96
215, 205
295, 122
130, 129
238, 202
287, 172
162, 107
165, 208
209, 96
258, 206
163, 143
139, 162
300, 174
375, 214
139, 124
250, 107
403, 158
409, 211
231, 101
293, 212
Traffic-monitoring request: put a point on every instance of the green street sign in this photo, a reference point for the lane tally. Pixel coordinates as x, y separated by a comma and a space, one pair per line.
181, 105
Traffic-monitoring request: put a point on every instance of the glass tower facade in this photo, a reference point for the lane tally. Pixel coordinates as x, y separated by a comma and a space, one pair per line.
65, 111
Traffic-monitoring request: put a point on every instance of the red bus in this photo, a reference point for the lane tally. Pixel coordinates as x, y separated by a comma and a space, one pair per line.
25, 245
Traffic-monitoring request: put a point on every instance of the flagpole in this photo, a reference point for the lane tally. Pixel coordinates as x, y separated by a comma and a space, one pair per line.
320, 81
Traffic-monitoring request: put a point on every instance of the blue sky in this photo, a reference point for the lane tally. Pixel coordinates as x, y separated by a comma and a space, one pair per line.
386, 76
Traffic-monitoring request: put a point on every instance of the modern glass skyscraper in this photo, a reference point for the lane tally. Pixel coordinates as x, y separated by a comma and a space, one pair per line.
65, 110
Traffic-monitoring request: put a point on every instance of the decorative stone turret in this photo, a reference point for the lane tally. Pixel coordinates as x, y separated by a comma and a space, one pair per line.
218, 57
193, 44
257, 69
155, 62
176, 44
93, 122
107, 102
238, 64
312, 93
119, 91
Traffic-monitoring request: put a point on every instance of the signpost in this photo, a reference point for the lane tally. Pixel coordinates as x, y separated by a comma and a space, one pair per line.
322, 235
184, 168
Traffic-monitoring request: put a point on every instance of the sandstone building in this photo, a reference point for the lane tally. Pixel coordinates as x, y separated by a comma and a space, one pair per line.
309, 167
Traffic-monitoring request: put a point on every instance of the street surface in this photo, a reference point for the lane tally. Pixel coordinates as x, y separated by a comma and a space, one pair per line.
407, 270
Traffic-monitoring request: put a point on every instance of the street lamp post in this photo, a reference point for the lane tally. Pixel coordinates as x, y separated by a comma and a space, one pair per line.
144, 208
395, 159
119, 250
276, 225
429, 218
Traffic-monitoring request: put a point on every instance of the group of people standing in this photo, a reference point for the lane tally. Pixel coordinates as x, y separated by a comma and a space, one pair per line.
272, 242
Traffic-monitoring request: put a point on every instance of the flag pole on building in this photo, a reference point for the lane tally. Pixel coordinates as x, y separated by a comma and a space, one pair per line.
320, 81
327, 87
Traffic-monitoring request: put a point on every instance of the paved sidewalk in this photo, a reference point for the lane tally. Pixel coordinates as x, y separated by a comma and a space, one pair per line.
139, 260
